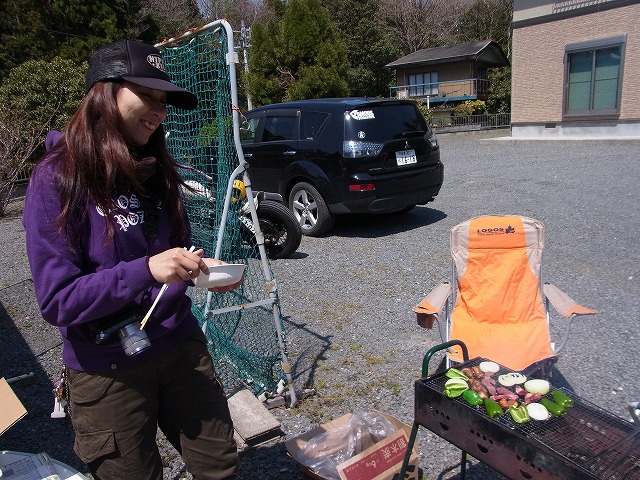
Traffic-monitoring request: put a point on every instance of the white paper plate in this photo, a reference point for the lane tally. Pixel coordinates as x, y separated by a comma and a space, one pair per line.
220, 275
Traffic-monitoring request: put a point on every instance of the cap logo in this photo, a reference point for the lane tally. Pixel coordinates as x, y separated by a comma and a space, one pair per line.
156, 61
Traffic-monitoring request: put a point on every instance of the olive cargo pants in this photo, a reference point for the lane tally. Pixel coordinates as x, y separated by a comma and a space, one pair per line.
116, 416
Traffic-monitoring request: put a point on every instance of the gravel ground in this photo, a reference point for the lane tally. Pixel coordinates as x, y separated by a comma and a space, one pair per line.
347, 297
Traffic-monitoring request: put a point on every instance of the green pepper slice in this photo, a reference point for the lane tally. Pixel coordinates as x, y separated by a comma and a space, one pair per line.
562, 398
554, 409
519, 413
454, 387
472, 397
455, 373
493, 409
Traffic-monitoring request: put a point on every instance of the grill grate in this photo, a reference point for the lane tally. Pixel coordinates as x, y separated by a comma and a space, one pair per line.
587, 437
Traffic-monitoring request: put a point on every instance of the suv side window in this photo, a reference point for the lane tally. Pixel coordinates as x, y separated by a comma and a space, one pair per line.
279, 128
311, 123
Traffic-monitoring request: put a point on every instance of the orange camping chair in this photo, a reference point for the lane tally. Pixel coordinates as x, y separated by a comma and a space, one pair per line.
496, 303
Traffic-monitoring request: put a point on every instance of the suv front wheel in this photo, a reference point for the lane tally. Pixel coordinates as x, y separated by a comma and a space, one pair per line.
310, 210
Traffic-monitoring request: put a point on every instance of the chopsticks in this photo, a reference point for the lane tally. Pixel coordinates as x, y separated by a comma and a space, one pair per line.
155, 302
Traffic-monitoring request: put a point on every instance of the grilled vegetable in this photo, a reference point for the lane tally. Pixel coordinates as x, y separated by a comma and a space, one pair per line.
472, 397
489, 367
519, 413
454, 387
512, 378
562, 398
455, 373
493, 409
554, 409
537, 386
537, 411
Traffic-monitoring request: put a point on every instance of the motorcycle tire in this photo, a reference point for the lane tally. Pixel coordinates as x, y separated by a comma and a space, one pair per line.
282, 234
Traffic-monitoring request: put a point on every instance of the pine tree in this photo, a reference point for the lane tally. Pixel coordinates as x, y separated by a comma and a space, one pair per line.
297, 54
23, 33
370, 46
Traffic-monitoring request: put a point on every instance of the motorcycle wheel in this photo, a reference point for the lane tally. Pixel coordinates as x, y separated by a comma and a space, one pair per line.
282, 234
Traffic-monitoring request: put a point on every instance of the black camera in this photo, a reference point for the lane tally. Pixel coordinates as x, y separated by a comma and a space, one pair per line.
132, 338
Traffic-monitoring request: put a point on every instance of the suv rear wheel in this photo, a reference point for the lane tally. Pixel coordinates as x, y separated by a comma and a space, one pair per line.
310, 210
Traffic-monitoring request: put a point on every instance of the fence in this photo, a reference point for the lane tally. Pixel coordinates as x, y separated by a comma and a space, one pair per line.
471, 122
23, 176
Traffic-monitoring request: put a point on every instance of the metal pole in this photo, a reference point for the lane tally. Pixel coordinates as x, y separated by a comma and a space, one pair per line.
244, 41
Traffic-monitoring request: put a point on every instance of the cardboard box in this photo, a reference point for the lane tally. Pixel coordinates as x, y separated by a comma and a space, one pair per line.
11, 409
381, 461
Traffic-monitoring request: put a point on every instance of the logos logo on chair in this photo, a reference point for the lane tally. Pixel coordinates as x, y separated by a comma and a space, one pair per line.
495, 231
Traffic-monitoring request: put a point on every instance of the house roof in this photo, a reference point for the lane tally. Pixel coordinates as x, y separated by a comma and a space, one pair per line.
486, 52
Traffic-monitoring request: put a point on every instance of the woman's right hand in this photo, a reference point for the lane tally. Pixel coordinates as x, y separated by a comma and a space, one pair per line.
177, 265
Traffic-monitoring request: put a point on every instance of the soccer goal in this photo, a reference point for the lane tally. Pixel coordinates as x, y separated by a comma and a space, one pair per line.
245, 329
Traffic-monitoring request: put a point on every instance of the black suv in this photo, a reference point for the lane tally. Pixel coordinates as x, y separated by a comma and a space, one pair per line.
328, 157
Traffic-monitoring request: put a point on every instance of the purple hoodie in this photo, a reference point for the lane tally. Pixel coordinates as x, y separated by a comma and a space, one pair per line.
98, 278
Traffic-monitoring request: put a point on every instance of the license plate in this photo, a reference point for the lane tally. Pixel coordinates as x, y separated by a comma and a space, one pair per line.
406, 157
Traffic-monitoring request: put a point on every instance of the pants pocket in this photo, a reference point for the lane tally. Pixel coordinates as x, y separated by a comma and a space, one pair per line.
86, 388
93, 445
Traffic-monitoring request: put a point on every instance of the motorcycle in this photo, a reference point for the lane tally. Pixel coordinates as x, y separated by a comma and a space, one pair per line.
281, 230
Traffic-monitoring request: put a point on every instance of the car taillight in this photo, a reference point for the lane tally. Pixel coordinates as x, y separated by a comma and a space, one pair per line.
362, 187
431, 138
356, 148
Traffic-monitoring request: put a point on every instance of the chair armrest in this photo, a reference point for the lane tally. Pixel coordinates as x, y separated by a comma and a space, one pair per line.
434, 302
564, 304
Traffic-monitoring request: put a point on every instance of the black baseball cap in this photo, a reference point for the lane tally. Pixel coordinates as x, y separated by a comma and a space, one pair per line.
138, 63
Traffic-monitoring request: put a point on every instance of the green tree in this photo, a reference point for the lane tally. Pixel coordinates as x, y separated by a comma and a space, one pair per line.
499, 99
84, 25
487, 19
24, 34
296, 54
491, 19
369, 44
44, 93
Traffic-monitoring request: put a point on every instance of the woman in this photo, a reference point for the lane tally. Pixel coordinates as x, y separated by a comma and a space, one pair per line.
105, 229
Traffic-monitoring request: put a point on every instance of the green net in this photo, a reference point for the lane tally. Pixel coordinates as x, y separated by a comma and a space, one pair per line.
239, 325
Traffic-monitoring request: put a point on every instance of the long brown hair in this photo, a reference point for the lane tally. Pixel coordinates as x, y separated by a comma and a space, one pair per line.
97, 158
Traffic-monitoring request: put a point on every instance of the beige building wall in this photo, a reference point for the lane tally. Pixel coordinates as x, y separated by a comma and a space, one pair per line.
538, 63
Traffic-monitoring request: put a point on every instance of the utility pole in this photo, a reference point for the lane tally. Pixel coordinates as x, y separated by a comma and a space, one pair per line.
245, 43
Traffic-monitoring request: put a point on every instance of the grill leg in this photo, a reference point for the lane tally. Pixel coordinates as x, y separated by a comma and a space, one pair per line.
463, 465
407, 456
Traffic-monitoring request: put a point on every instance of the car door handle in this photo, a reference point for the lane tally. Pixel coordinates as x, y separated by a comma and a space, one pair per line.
289, 153
248, 155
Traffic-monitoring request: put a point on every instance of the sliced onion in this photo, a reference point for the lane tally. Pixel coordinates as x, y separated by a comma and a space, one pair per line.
512, 378
537, 386
537, 411
489, 367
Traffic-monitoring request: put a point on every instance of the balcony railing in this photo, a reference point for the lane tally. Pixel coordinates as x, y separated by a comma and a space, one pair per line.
440, 92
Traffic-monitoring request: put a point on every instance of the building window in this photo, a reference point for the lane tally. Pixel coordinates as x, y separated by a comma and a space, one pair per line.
593, 77
423, 84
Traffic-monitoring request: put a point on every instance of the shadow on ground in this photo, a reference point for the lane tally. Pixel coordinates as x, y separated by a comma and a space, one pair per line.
40, 355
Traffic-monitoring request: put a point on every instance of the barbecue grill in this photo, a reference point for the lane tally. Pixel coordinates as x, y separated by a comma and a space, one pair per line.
586, 443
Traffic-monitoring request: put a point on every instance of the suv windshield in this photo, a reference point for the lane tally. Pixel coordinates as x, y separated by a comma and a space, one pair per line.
383, 123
